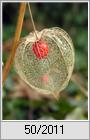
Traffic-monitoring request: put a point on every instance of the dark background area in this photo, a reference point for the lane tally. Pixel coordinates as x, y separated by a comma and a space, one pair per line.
20, 102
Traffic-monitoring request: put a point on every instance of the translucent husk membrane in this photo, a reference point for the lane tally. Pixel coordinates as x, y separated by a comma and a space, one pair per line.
57, 66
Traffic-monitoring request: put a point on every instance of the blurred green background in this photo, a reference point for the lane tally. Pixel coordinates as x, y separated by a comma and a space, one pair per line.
20, 102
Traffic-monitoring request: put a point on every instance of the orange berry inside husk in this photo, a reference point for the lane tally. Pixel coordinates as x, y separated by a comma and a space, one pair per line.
40, 49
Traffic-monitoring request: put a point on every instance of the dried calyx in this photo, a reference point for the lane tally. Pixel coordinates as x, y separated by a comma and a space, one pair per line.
47, 64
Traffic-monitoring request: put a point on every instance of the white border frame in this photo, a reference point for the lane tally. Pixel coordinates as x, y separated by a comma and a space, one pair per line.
88, 60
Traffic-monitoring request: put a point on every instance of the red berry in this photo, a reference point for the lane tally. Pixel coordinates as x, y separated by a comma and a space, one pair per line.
40, 49
45, 78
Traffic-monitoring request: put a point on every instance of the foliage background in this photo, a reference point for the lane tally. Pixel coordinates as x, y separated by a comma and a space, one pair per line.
20, 102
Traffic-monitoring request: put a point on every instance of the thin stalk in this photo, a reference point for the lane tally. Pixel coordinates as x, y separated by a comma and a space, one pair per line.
79, 85
34, 28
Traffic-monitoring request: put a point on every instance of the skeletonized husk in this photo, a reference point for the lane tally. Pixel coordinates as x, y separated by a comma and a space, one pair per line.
57, 66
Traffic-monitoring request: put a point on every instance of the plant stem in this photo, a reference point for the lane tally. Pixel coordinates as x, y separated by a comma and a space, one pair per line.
15, 41
78, 84
34, 28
